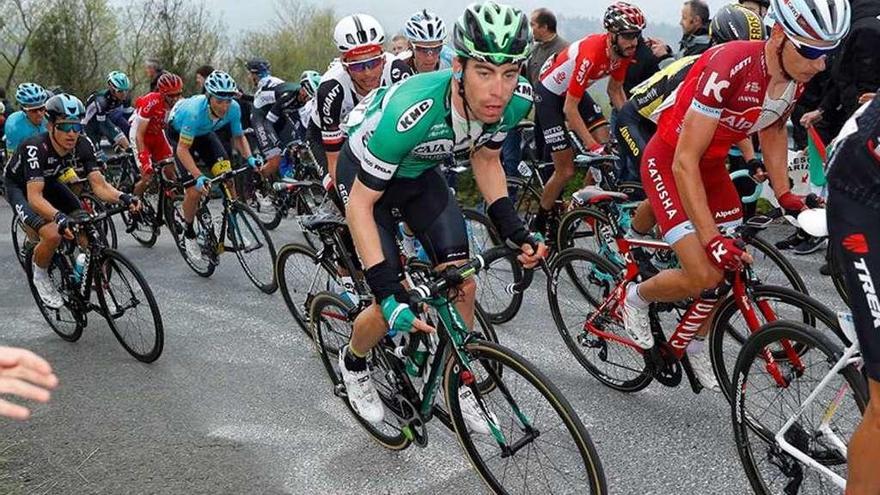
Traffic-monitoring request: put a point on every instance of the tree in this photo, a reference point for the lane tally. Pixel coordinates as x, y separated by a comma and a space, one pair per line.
301, 40
74, 46
181, 34
19, 19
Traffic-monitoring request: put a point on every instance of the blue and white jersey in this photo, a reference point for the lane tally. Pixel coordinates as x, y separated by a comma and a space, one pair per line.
18, 128
191, 117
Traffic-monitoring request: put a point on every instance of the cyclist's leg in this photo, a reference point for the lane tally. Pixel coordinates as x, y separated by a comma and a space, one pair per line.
59, 196
268, 143
549, 108
191, 196
854, 230
438, 223
49, 238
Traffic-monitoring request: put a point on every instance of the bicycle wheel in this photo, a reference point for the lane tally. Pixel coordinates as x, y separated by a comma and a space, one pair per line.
69, 320
21, 242
526, 198
91, 204
772, 267
588, 228
579, 282
331, 322
306, 201
129, 307
837, 277
142, 226
537, 442
729, 330
301, 275
493, 281
762, 406
204, 233
263, 202
253, 247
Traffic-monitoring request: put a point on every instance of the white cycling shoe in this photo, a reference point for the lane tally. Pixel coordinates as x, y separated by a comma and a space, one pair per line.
637, 323
701, 363
48, 293
193, 250
474, 418
361, 392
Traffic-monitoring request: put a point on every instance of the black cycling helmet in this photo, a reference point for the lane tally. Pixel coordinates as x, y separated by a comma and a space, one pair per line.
735, 22
259, 66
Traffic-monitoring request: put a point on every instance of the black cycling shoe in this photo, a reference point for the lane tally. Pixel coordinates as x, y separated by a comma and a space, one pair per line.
810, 245
793, 240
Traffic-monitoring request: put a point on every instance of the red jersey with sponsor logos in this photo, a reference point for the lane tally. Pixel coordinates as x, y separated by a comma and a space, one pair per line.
729, 83
580, 65
151, 107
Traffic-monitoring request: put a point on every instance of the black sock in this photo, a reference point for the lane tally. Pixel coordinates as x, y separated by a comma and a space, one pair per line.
189, 231
354, 363
539, 224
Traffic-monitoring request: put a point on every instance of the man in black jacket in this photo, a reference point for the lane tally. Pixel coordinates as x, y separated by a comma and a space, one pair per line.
695, 34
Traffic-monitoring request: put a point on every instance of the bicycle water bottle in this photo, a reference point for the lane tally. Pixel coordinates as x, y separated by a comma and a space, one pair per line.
417, 359
79, 266
286, 168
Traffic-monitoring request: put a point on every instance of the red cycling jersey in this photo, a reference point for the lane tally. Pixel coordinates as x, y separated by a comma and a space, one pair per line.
728, 83
580, 65
151, 107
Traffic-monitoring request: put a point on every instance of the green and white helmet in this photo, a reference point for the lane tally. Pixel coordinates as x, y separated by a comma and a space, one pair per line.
493, 33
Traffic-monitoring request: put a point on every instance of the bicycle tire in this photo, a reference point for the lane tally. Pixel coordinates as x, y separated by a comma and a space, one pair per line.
724, 335
93, 205
304, 283
60, 274
516, 366
746, 423
147, 231
306, 203
19, 240
837, 275
111, 265
174, 220
592, 218
605, 274
327, 306
500, 306
259, 185
526, 198
792, 277
242, 223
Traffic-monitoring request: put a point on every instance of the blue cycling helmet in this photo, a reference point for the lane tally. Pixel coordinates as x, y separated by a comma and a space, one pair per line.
118, 81
65, 107
259, 66
30, 95
310, 80
221, 85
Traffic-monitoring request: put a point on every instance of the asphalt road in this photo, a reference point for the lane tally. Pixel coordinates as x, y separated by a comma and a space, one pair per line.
240, 403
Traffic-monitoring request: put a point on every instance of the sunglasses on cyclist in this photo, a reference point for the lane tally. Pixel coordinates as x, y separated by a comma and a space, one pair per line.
35, 110
173, 95
810, 52
428, 50
69, 126
362, 65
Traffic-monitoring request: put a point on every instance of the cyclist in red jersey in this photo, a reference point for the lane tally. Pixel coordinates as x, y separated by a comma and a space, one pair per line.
561, 101
734, 90
148, 128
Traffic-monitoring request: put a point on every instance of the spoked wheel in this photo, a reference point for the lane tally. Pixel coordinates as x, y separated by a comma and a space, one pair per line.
92, 205
584, 228
253, 247
263, 202
762, 406
307, 201
301, 275
69, 320
729, 329
493, 282
772, 267
205, 266
523, 436
331, 321
579, 282
837, 278
21, 241
129, 307
526, 198
142, 225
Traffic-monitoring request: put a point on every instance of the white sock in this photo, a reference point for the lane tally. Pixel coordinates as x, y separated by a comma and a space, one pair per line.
634, 298
697, 345
39, 273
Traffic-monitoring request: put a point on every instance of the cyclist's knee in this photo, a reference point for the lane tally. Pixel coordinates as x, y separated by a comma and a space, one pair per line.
50, 235
700, 275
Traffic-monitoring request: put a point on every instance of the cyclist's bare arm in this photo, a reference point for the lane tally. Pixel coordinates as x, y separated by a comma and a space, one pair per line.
141, 134
103, 189
576, 122
332, 157
696, 135
360, 220
616, 93
241, 144
774, 145
186, 159
747, 149
489, 174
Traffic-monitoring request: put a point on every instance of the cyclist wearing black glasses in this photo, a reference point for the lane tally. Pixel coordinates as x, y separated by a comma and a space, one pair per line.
363, 66
35, 191
191, 128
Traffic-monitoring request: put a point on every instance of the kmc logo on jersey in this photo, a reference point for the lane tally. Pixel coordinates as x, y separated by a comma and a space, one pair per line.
412, 115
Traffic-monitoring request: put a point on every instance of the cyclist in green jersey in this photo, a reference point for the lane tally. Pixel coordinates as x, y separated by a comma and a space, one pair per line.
397, 137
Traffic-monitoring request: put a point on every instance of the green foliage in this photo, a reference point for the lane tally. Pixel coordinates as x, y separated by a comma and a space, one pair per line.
75, 46
301, 40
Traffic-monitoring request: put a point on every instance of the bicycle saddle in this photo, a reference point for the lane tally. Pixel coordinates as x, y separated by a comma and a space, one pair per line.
321, 221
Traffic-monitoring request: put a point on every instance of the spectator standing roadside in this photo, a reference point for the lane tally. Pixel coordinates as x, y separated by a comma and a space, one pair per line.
201, 73
153, 69
399, 44
695, 34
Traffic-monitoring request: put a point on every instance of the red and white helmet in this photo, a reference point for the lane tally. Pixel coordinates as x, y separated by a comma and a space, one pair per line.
358, 34
169, 84
622, 17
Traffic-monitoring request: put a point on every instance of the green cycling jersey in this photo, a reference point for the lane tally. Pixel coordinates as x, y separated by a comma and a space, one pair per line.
408, 128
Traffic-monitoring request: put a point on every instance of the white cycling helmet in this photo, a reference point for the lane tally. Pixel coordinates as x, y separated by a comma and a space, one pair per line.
358, 33
425, 27
818, 20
